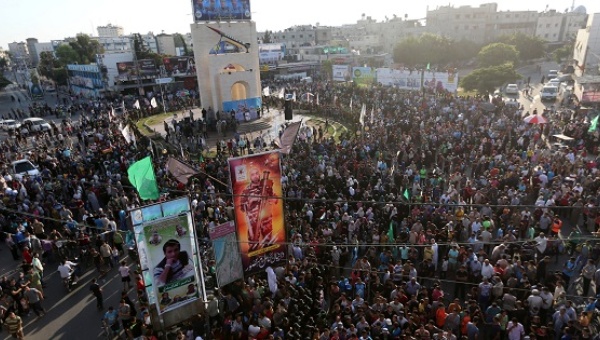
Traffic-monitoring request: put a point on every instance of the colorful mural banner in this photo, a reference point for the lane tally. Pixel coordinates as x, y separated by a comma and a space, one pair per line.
258, 204
411, 80
245, 109
221, 10
175, 66
227, 253
169, 261
363, 75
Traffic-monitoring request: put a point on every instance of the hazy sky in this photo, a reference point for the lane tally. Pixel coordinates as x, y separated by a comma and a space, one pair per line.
57, 19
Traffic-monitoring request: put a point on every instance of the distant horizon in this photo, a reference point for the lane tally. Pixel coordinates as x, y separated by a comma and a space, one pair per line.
30, 20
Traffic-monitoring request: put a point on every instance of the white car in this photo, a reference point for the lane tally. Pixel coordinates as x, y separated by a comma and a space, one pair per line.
549, 92
35, 124
24, 167
553, 82
552, 74
10, 124
511, 89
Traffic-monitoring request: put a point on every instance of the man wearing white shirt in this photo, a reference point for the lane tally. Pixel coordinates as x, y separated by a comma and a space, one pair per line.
487, 271
515, 330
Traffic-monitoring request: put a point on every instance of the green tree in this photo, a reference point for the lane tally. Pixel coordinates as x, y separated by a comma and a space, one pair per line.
487, 79
3, 63
51, 67
564, 52
180, 42
267, 38
529, 47
406, 52
86, 48
143, 52
433, 49
497, 54
327, 68
66, 55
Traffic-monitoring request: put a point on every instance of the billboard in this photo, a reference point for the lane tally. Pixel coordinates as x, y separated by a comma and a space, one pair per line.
270, 53
245, 109
257, 194
341, 73
227, 253
171, 261
363, 75
217, 10
147, 67
411, 80
176, 66
591, 93
165, 238
126, 70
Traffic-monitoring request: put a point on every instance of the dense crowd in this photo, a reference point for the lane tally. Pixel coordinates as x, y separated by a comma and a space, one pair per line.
437, 218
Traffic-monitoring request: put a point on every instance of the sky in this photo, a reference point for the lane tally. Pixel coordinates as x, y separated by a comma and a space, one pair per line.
58, 19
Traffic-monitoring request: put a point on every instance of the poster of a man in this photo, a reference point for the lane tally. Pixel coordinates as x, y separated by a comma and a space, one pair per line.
171, 261
176, 264
257, 201
256, 185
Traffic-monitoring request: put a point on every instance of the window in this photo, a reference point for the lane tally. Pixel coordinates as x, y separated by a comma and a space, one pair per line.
301, 35
556, 25
467, 16
458, 16
547, 25
466, 27
293, 36
546, 35
283, 37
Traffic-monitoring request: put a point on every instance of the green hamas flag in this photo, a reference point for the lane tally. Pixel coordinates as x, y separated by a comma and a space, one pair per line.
406, 194
390, 233
594, 124
141, 176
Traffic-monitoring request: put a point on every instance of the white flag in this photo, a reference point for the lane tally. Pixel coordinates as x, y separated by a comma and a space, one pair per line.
350, 104
136, 104
294, 96
281, 93
317, 98
266, 91
153, 103
372, 115
363, 113
128, 135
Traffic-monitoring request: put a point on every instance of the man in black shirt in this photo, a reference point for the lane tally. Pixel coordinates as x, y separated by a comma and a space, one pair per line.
136, 329
97, 292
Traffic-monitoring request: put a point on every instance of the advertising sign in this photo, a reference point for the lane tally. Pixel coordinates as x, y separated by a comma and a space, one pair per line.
147, 67
591, 93
257, 193
179, 66
227, 253
245, 109
171, 262
363, 75
217, 10
341, 73
126, 70
411, 80
270, 53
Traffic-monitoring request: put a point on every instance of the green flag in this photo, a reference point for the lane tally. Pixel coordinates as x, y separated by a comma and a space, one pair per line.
594, 124
406, 195
390, 233
428, 66
141, 176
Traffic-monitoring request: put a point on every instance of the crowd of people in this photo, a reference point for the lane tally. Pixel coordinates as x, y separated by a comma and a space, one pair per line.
434, 218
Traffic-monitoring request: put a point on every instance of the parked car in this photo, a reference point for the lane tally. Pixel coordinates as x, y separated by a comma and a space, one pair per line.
10, 125
511, 89
35, 124
24, 167
552, 74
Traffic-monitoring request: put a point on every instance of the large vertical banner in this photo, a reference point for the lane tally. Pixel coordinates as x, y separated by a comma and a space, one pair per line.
227, 253
170, 262
257, 194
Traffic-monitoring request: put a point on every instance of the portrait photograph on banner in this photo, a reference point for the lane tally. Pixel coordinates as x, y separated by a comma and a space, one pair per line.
171, 262
258, 204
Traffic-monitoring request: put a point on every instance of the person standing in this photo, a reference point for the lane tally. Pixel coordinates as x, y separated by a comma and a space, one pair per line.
106, 253
37, 265
587, 274
97, 292
124, 271
515, 330
125, 314
14, 324
35, 297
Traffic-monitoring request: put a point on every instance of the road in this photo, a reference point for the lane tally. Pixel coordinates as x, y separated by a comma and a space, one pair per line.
69, 315
533, 102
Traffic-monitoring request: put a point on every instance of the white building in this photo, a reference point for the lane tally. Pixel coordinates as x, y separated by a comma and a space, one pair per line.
150, 41
586, 52
109, 60
115, 43
166, 44
110, 31
557, 27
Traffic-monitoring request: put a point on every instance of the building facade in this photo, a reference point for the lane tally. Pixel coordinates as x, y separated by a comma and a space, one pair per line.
110, 31
586, 52
166, 44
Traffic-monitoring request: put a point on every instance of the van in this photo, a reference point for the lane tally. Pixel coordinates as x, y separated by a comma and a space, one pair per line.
549, 92
552, 74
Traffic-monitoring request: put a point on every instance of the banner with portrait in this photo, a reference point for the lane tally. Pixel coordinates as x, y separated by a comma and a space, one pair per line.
341, 73
245, 109
221, 10
169, 261
179, 66
363, 75
258, 204
227, 253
